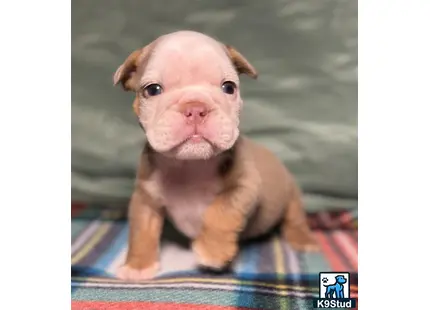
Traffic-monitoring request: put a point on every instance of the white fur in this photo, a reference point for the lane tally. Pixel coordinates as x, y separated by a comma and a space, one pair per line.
186, 191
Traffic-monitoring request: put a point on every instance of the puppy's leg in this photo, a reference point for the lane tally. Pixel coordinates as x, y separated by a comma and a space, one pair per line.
224, 220
295, 227
146, 222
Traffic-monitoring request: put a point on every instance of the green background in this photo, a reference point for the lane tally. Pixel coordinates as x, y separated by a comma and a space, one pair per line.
303, 105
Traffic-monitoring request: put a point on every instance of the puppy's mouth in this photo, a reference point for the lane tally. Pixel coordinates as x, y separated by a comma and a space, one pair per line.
196, 138
195, 134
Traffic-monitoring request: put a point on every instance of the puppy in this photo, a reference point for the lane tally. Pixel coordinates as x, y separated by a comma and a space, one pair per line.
216, 186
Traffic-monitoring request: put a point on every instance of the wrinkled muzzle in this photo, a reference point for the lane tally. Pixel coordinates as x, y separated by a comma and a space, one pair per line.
192, 124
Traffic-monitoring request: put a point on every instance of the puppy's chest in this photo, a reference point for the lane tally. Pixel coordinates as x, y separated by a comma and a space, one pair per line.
186, 195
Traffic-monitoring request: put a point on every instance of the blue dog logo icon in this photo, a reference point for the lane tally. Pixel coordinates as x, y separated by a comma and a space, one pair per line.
335, 288
334, 291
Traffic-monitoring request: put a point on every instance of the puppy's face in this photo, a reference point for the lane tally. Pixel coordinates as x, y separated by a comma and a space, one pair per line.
187, 93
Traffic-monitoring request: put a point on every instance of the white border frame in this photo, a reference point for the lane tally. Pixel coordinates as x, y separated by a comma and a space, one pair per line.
35, 137
394, 157
393, 153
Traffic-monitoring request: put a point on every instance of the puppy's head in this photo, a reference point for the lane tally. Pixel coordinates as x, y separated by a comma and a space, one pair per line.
187, 93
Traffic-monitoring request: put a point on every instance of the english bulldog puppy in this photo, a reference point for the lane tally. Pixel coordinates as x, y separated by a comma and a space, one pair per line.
215, 185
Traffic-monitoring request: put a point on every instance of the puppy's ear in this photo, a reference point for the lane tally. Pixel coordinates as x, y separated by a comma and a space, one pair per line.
240, 63
127, 73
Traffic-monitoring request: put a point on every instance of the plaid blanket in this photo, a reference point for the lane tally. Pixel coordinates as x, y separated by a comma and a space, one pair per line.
267, 274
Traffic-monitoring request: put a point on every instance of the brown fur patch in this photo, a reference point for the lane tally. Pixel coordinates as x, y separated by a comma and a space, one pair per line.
228, 162
223, 216
136, 105
129, 73
146, 164
146, 222
241, 64
217, 244
226, 218
295, 228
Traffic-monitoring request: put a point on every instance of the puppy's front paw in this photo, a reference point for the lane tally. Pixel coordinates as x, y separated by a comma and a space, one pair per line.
309, 246
302, 241
127, 273
214, 254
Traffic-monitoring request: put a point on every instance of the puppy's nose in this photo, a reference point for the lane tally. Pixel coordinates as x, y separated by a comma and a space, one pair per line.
195, 113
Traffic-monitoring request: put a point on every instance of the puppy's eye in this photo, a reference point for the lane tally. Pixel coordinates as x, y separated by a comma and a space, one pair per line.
229, 87
152, 90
